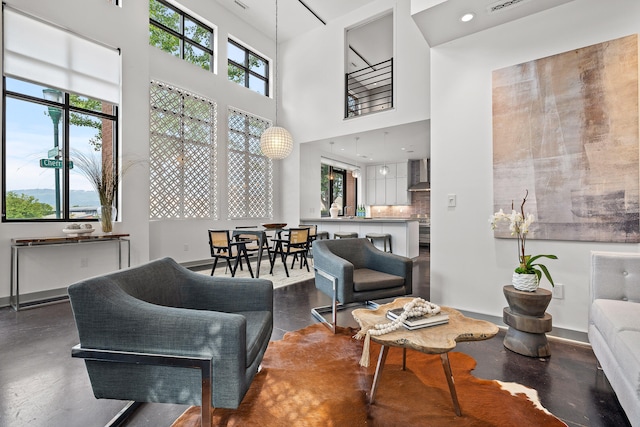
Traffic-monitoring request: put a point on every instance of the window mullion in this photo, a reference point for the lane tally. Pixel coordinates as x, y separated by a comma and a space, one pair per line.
66, 130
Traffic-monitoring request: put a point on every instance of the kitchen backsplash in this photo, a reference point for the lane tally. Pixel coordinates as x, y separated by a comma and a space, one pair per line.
420, 205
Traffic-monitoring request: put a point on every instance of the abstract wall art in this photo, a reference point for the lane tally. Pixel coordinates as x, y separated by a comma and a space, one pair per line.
565, 128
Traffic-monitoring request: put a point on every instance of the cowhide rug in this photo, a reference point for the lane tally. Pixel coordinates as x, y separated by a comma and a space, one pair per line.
312, 378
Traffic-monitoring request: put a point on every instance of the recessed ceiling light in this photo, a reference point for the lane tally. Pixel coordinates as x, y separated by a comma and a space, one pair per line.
467, 17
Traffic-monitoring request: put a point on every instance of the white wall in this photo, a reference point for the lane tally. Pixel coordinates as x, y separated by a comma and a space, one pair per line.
127, 29
313, 93
171, 237
468, 266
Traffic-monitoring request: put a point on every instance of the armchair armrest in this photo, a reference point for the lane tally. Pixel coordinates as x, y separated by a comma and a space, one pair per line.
334, 266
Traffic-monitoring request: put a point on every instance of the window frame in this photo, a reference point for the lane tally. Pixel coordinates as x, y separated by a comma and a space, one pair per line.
247, 69
66, 108
181, 35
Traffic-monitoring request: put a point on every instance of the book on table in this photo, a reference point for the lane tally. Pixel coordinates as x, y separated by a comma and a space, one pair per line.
417, 322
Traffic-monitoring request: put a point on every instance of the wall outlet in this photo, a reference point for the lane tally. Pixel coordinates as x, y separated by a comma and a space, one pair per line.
185, 247
84, 262
558, 291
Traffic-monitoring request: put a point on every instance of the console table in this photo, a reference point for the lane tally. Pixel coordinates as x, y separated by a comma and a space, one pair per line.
21, 244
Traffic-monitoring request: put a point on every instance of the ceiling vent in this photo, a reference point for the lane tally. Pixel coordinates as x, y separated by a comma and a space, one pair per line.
242, 5
504, 5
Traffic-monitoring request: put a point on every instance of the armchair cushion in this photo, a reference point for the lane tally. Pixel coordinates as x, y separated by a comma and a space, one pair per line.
365, 279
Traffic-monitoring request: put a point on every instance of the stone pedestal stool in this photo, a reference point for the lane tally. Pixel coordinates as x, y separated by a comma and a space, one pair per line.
528, 322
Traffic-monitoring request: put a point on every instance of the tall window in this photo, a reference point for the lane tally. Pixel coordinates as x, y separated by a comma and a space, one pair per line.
58, 107
333, 189
180, 35
250, 172
247, 68
182, 154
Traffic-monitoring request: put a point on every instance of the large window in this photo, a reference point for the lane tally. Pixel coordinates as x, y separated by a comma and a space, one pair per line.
247, 68
250, 172
61, 92
45, 130
180, 35
182, 154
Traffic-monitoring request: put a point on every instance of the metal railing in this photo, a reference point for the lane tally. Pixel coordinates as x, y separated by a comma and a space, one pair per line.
369, 90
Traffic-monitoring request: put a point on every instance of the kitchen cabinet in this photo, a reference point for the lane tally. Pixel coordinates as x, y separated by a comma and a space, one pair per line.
389, 189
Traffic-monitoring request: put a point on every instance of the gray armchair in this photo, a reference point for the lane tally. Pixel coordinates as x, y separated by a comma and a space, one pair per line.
162, 333
355, 271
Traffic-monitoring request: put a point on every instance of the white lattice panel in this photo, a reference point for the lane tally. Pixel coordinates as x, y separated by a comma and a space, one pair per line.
250, 174
182, 144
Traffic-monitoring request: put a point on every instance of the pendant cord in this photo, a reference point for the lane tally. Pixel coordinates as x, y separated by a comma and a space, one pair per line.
275, 95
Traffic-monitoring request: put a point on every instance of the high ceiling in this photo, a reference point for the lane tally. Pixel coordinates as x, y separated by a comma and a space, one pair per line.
438, 20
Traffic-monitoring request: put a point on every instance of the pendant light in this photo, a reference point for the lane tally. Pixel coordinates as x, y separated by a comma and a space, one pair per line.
276, 142
356, 173
330, 176
384, 169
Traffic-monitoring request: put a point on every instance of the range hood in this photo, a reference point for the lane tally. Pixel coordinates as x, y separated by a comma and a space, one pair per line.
425, 172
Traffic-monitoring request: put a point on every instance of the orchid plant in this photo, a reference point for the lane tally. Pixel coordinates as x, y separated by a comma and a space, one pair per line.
519, 224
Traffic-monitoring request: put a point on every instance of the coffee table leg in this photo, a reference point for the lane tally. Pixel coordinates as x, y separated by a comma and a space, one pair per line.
384, 350
444, 357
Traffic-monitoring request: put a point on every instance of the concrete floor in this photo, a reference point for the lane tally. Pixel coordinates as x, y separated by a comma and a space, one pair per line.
41, 385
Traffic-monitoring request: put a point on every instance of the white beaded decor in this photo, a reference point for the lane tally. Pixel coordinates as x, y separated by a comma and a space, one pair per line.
276, 143
415, 307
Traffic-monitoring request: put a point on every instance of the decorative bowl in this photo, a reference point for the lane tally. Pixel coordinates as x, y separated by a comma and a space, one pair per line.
274, 226
72, 232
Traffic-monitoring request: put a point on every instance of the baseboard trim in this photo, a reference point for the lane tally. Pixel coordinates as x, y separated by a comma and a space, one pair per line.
556, 333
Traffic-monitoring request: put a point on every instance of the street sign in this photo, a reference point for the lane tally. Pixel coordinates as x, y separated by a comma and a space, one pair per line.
53, 153
54, 164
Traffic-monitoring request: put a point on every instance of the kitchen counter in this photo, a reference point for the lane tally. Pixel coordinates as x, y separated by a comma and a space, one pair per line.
358, 219
404, 231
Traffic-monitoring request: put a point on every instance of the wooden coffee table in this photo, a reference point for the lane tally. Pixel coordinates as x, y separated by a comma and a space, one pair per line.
432, 340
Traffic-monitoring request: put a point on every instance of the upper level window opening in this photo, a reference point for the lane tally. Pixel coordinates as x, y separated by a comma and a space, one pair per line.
369, 70
247, 68
180, 34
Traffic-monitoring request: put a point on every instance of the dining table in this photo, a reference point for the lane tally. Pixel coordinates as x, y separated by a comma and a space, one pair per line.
261, 238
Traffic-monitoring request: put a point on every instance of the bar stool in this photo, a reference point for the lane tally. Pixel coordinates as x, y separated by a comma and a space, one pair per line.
345, 235
384, 237
320, 235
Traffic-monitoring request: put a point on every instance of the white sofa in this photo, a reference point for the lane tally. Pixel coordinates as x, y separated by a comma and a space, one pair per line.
614, 324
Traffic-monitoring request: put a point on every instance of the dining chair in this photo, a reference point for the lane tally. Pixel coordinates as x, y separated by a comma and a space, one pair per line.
313, 235
222, 247
296, 244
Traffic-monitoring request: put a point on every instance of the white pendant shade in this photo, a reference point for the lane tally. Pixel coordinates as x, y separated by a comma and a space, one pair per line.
356, 173
276, 143
384, 170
